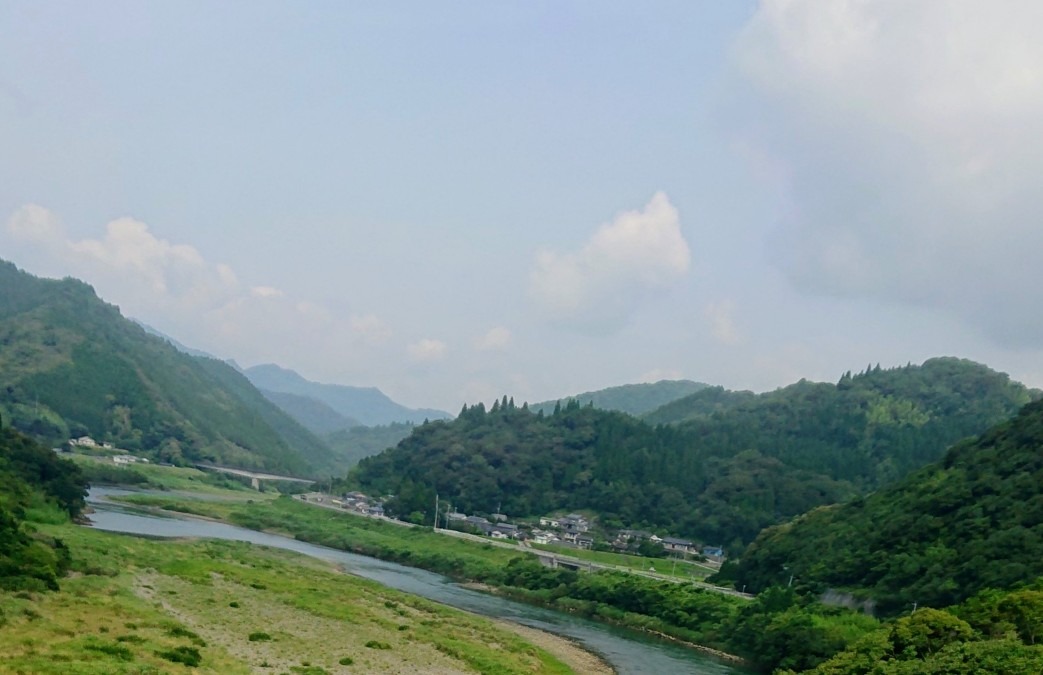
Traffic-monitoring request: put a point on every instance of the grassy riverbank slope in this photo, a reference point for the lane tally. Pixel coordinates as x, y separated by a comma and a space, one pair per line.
133, 605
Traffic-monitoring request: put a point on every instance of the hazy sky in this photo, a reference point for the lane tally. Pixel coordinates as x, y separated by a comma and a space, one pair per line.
453, 201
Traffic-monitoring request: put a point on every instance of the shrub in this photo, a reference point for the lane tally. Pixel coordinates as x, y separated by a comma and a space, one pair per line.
119, 651
346, 661
187, 655
376, 644
259, 637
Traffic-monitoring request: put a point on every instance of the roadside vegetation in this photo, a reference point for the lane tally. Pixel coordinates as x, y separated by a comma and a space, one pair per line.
669, 566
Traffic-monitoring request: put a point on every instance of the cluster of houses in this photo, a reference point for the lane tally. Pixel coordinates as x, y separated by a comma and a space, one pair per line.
88, 442
572, 530
352, 501
497, 528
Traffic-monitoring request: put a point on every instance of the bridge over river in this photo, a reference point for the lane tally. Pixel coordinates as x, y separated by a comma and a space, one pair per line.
254, 476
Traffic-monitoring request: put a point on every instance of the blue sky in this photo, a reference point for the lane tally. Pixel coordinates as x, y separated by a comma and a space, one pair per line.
453, 201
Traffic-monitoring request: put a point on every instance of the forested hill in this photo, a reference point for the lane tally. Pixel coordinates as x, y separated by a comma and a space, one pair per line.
721, 479
870, 428
634, 399
973, 520
71, 365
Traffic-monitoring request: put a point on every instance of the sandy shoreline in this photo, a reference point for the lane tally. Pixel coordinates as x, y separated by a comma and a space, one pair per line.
574, 656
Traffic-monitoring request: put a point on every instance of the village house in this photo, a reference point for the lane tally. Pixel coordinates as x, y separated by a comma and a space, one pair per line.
128, 459
574, 523
544, 537
679, 545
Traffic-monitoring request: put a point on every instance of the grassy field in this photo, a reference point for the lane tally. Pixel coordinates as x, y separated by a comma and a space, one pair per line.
415, 546
101, 470
139, 606
681, 569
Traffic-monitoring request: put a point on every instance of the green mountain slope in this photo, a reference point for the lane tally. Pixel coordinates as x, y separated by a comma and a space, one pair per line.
973, 520
351, 445
314, 415
721, 478
634, 399
698, 405
71, 365
870, 428
368, 405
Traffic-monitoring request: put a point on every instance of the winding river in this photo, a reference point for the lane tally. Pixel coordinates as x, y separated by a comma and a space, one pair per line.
627, 651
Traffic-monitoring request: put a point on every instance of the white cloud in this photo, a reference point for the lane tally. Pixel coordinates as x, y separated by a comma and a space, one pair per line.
721, 316
426, 350
494, 339
912, 139
624, 261
266, 292
173, 287
130, 258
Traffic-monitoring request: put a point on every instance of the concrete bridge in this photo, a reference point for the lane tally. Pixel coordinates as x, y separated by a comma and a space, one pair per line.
254, 476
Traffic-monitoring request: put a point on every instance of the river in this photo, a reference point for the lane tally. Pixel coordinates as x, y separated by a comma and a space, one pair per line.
627, 651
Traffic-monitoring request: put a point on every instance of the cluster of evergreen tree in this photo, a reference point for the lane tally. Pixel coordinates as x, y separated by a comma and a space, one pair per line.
31, 477
753, 461
973, 520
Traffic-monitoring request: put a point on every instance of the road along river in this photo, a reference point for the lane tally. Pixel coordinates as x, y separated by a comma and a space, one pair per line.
626, 651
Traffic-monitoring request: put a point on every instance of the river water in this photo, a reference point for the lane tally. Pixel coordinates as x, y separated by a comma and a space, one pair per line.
627, 651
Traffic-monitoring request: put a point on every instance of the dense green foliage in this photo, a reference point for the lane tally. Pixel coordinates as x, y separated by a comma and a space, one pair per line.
869, 429
698, 405
71, 365
582, 457
721, 478
33, 480
995, 632
971, 521
351, 445
633, 399
368, 405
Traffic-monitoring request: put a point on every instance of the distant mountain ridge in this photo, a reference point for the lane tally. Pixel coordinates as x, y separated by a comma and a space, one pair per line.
315, 415
72, 365
368, 405
633, 399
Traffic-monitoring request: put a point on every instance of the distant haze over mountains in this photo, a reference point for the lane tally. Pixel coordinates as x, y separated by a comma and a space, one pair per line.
368, 405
